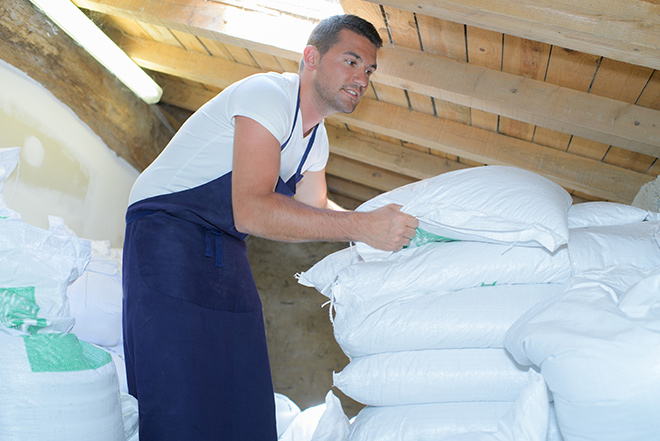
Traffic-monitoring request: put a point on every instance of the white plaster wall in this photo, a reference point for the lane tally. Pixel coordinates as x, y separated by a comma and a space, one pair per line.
65, 169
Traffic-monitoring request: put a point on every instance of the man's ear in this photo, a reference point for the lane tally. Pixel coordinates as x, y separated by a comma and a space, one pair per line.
311, 57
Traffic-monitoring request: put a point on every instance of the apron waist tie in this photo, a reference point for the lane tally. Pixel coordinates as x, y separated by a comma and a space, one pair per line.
214, 240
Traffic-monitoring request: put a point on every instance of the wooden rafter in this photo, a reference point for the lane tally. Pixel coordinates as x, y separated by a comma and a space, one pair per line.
571, 171
625, 30
216, 21
628, 126
601, 119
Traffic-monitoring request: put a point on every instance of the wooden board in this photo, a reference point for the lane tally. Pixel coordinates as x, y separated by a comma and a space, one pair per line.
601, 180
528, 59
626, 30
582, 115
484, 49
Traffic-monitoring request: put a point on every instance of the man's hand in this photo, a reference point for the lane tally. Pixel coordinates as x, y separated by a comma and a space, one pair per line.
389, 228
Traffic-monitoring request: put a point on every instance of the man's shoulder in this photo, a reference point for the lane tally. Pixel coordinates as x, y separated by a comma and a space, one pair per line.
271, 82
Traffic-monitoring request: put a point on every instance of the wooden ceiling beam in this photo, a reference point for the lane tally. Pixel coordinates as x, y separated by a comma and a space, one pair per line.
589, 116
279, 35
180, 95
355, 191
182, 63
571, 171
625, 30
365, 174
597, 118
344, 201
389, 156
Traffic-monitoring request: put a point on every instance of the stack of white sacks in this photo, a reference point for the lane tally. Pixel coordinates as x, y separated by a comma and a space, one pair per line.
56, 384
62, 371
426, 328
597, 344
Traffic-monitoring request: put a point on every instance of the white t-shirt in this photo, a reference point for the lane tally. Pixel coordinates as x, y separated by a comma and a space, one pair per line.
202, 150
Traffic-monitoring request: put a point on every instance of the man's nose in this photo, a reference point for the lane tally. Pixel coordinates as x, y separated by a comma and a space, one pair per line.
361, 79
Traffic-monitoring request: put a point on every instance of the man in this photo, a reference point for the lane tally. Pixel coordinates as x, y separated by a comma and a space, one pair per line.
194, 335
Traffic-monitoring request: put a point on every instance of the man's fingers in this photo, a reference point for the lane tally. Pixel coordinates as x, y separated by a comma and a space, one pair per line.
395, 228
409, 233
415, 223
411, 221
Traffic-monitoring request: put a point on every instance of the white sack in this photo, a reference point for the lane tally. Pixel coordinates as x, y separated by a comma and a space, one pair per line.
56, 388
600, 364
433, 376
325, 422
527, 419
600, 247
617, 280
333, 425
469, 318
304, 424
130, 416
8, 160
648, 196
37, 267
425, 421
494, 204
601, 213
95, 298
117, 354
324, 272
451, 266
641, 301
285, 412
435, 421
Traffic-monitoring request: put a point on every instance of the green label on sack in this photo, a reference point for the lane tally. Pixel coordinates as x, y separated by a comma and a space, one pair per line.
422, 237
63, 353
19, 308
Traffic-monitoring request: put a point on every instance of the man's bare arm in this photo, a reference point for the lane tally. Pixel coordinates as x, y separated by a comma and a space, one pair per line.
259, 211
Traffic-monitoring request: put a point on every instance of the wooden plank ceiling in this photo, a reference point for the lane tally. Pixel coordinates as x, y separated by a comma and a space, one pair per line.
569, 89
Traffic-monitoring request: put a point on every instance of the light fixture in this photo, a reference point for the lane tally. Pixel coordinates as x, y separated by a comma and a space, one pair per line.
72, 21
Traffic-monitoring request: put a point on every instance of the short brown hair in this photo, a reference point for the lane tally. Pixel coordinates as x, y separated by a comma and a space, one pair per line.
326, 33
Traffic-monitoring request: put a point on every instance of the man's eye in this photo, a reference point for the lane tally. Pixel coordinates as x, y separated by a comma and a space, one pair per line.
351, 62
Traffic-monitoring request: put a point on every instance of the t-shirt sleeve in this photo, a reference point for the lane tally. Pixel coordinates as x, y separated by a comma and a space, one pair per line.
262, 99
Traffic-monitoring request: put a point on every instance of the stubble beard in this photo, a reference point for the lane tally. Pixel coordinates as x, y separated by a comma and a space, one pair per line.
332, 99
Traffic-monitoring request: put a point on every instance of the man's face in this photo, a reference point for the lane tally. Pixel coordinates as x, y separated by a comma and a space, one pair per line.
343, 72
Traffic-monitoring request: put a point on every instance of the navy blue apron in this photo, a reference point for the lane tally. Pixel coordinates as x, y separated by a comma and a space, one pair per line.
194, 337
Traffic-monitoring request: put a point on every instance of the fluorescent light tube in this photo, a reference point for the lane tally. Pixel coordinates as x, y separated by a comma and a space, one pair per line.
72, 21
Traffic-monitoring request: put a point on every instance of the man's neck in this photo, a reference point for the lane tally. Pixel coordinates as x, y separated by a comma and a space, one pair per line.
312, 113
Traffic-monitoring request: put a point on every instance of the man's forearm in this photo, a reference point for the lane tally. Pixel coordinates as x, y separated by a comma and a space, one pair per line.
277, 217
